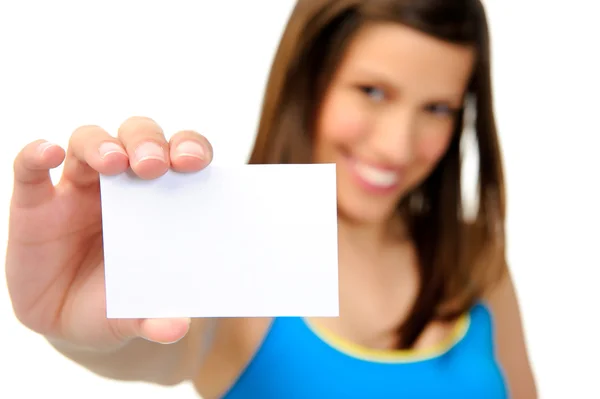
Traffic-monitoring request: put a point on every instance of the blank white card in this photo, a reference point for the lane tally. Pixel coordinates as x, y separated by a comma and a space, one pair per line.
241, 241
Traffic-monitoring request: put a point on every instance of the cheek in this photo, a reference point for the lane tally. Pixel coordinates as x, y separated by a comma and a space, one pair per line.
432, 147
342, 123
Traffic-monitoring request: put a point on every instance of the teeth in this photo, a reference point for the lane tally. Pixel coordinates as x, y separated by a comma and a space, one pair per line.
376, 176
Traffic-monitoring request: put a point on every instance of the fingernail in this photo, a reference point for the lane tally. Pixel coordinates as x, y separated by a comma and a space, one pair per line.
44, 146
109, 148
190, 149
163, 342
148, 151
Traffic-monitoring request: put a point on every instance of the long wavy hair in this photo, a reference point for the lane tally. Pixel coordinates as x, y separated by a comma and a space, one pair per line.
459, 259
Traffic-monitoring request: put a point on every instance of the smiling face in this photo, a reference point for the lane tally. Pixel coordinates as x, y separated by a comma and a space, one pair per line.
388, 116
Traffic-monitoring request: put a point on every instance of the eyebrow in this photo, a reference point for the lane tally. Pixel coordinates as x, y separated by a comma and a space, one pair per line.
371, 74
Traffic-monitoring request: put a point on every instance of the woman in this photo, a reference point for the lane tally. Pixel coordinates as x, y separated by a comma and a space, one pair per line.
428, 310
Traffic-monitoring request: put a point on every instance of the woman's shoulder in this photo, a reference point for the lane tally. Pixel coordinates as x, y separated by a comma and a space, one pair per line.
504, 314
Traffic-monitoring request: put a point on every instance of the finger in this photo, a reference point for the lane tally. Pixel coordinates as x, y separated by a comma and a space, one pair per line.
164, 331
146, 146
32, 165
189, 151
92, 150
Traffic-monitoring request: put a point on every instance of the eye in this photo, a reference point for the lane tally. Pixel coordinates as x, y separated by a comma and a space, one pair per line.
441, 109
375, 93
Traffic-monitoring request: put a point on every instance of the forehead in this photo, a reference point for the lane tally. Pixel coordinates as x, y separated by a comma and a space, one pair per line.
408, 59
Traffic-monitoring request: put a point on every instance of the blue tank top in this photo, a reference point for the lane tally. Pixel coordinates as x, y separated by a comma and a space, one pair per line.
299, 361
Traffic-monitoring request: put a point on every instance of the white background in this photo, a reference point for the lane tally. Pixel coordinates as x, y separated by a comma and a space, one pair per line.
203, 65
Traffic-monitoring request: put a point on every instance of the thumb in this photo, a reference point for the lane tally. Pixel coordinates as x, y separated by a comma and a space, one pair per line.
32, 165
164, 331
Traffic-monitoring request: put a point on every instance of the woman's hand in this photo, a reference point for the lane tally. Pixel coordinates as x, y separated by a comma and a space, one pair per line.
54, 264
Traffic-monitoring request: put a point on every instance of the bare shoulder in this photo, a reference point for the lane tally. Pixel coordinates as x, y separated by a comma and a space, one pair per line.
220, 349
511, 347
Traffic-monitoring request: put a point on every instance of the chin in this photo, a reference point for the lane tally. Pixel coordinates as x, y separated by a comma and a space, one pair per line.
363, 216
360, 206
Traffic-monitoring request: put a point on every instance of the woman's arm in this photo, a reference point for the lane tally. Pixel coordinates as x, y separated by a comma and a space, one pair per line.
510, 340
141, 360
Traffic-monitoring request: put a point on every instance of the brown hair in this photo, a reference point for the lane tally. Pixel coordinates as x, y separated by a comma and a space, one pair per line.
458, 260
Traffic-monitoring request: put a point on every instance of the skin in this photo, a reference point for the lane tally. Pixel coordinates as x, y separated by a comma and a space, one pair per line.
393, 109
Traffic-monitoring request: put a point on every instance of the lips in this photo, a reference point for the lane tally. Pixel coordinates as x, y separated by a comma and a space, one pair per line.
375, 179
376, 176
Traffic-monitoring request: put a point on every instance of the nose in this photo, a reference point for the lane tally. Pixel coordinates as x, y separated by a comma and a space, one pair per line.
393, 136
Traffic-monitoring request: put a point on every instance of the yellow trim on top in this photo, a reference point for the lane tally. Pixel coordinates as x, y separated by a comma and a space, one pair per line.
393, 355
